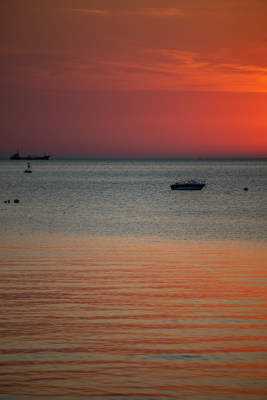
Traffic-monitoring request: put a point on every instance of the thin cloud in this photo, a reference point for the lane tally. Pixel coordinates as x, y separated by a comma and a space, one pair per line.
88, 11
145, 12
163, 69
158, 12
150, 12
244, 68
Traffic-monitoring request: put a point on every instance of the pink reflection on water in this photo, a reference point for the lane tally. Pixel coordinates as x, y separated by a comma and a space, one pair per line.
132, 318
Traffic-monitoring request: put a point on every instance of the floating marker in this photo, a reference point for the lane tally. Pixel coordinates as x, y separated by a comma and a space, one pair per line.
16, 201
28, 170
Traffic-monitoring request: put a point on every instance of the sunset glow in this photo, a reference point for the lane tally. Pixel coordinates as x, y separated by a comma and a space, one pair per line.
169, 78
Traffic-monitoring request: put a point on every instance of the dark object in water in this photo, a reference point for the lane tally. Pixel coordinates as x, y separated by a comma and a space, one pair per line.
16, 156
245, 189
28, 170
16, 201
188, 185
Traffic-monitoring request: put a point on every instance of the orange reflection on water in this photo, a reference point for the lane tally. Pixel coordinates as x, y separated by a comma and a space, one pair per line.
121, 318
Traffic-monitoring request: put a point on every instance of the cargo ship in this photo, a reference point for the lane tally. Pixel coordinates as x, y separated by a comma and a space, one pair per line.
16, 156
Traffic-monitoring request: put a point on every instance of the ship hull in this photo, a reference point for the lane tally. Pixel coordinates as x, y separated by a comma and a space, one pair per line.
30, 158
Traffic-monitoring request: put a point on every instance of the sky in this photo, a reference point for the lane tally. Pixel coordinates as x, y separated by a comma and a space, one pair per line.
133, 78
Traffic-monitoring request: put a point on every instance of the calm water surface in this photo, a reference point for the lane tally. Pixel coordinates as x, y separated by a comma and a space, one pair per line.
115, 287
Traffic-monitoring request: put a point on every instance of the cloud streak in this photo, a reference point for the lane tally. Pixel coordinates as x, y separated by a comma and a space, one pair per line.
101, 13
145, 12
157, 12
174, 71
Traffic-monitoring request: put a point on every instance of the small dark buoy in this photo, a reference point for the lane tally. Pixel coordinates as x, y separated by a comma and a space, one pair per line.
245, 189
5, 201
8, 201
16, 201
28, 170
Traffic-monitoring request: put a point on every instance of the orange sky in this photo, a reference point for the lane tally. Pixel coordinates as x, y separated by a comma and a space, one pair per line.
134, 78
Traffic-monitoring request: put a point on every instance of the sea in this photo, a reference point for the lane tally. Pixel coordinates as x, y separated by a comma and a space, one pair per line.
115, 287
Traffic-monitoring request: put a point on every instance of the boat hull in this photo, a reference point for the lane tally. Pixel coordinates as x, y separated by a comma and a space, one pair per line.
187, 187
